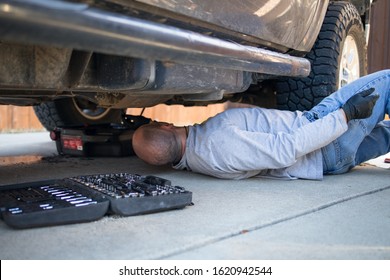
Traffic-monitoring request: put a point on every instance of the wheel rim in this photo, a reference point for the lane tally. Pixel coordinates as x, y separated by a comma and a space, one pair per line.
89, 110
349, 62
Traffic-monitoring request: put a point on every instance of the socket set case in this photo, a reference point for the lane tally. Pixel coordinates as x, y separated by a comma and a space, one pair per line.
87, 198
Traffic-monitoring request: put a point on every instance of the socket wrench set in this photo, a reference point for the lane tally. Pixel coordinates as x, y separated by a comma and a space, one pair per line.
88, 198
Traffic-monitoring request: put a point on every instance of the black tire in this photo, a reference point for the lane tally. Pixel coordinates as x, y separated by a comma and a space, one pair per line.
341, 20
69, 112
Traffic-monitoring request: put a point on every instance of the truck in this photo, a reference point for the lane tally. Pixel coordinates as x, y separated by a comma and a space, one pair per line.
85, 62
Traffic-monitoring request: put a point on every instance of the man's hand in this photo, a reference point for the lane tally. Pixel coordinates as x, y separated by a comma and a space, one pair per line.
360, 105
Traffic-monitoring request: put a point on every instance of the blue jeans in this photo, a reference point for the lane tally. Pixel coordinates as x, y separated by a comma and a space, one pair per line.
365, 138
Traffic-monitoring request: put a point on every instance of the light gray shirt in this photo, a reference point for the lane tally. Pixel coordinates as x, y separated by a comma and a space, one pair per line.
246, 142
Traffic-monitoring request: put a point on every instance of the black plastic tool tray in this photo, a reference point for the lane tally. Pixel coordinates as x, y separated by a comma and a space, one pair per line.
87, 198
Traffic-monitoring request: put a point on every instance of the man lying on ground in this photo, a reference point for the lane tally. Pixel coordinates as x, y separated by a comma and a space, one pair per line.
344, 130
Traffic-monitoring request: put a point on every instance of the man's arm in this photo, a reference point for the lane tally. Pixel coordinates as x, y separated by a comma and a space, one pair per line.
337, 99
360, 105
268, 151
250, 150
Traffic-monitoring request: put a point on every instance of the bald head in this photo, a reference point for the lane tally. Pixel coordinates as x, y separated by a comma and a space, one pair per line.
157, 143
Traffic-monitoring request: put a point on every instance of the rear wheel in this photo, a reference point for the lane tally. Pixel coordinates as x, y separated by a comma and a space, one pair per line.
338, 57
74, 111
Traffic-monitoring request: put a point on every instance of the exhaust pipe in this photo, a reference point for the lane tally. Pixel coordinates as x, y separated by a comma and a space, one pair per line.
78, 26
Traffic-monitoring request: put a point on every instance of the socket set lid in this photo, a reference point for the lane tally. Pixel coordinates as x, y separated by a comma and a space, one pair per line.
48, 203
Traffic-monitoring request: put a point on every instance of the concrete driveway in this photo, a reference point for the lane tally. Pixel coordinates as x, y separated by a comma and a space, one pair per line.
341, 217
